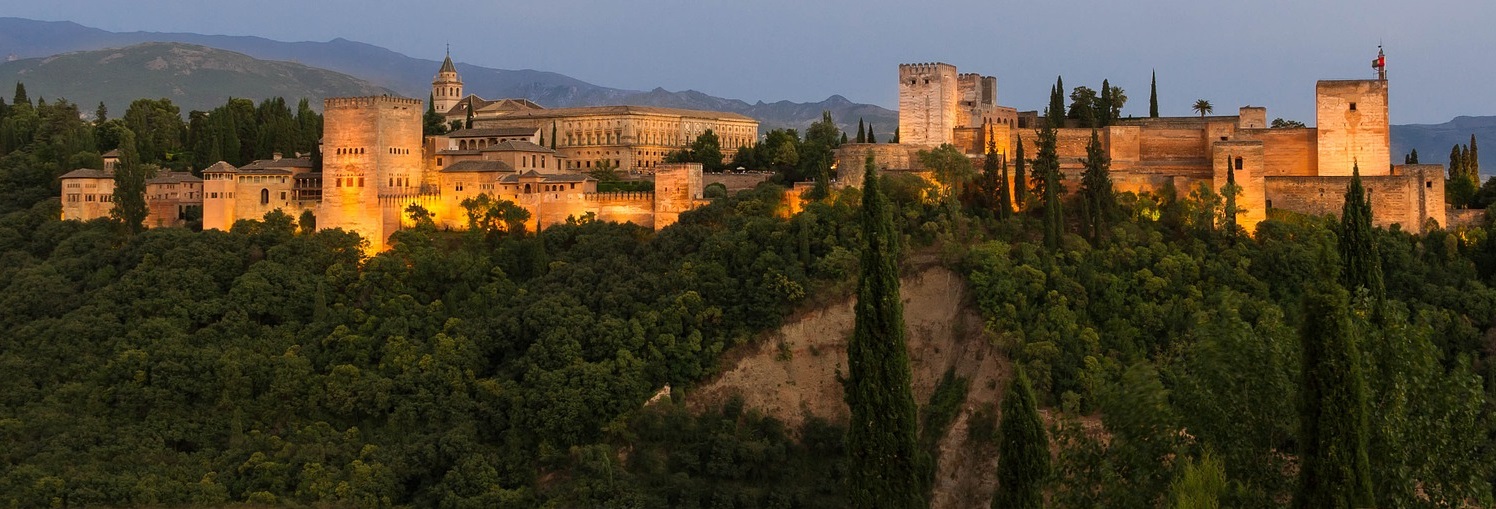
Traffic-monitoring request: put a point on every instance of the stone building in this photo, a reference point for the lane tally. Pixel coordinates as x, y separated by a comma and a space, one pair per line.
229, 194
172, 198
630, 138
1299, 169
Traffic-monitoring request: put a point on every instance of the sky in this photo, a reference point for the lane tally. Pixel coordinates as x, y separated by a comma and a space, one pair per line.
1257, 52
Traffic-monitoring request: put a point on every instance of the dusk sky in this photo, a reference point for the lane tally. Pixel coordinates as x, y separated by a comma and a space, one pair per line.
1259, 52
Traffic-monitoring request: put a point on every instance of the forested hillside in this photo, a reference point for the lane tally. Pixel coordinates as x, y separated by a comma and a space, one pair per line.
496, 367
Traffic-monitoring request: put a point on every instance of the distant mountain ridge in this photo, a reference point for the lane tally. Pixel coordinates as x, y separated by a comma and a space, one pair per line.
1433, 141
24, 38
194, 77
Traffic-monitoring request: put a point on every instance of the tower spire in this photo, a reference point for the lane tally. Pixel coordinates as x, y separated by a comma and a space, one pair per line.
1380, 64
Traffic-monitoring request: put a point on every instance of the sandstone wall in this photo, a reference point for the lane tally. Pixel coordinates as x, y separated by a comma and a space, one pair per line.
849, 159
367, 142
678, 188
1351, 116
735, 181
1247, 160
635, 207
1408, 199
1289, 152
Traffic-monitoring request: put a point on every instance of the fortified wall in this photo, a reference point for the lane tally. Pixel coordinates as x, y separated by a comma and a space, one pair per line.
371, 147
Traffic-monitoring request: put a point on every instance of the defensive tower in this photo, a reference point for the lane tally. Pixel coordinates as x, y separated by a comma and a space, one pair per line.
371, 148
928, 98
1351, 117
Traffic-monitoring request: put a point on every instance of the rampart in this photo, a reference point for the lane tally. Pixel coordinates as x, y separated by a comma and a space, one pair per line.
1409, 194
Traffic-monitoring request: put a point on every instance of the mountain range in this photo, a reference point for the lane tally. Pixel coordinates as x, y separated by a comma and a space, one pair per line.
24, 38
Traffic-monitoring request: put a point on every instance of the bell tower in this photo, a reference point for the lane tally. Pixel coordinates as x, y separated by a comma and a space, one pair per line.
446, 89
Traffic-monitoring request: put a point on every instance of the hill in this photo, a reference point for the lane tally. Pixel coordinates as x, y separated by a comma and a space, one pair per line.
194, 77
1434, 140
25, 38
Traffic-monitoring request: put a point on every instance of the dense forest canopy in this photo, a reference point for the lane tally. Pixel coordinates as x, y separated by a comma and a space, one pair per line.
503, 368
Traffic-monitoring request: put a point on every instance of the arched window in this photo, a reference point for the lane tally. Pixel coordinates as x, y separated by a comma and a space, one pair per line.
264, 196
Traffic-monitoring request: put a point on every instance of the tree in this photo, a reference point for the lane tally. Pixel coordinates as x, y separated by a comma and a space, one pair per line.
1119, 99
874, 139
1202, 107
20, 97
1361, 266
1200, 485
1229, 192
129, 186
861, 132
1097, 199
553, 136
1474, 161
1334, 468
895, 139
158, 128
883, 466
1004, 199
1280, 123
432, 123
1047, 164
101, 114
1023, 449
1153, 96
1083, 105
1020, 180
307, 223
707, 150
1412, 157
469, 109
951, 169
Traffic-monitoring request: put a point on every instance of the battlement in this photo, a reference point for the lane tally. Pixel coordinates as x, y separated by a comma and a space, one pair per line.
369, 101
620, 196
925, 68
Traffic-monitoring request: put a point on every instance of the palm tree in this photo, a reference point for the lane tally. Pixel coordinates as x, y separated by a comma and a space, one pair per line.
1203, 107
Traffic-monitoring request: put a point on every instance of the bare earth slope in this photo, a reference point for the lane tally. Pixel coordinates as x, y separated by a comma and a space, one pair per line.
792, 373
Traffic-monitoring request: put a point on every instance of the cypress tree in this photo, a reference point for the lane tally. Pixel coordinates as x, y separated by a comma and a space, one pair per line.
1047, 164
1228, 194
469, 123
1104, 105
1004, 199
553, 136
844, 139
1020, 180
1456, 162
895, 139
1465, 168
1153, 96
1334, 471
874, 139
129, 186
1414, 156
1096, 189
883, 463
102, 113
861, 132
1361, 265
1473, 162
1023, 449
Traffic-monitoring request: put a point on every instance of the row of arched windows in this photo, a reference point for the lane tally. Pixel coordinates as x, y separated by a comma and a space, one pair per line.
350, 151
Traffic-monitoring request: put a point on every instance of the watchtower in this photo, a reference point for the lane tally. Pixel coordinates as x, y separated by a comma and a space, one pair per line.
928, 98
371, 148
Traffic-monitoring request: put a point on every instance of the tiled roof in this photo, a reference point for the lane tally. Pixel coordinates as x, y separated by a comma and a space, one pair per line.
86, 173
454, 152
478, 167
516, 146
487, 132
624, 110
447, 65
283, 166
174, 177
220, 167
546, 177
112, 153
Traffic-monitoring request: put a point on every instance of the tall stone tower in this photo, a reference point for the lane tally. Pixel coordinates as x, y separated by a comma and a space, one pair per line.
446, 88
371, 149
928, 100
1351, 117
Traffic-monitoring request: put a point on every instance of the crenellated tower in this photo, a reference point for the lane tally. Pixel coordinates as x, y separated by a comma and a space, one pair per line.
446, 88
371, 149
928, 103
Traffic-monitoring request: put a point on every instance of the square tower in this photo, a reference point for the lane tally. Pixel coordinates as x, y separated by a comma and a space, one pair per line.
371, 149
928, 100
1351, 117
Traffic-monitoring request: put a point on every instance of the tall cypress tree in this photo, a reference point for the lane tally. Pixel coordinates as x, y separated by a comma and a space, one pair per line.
1228, 194
861, 132
895, 139
1004, 198
874, 139
1104, 105
1361, 265
1048, 165
1334, 471
1020, 179
1096, 189
883, 465
129, 186
1153, 96
1473, 162
1023, 449
553, 136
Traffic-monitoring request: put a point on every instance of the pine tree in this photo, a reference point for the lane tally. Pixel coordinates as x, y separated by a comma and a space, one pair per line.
1023, 449
1361, 265
129, 186
1334, 471
102, 113
1020, 180
20, 97
874, 139
1153, 96
1096, 189
882, 465
1047, 164
861, 132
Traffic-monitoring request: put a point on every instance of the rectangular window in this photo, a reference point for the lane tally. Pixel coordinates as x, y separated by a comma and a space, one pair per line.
360, 182
1353, 106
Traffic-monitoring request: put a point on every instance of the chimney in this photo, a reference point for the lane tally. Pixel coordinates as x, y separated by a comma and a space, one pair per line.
275, 156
